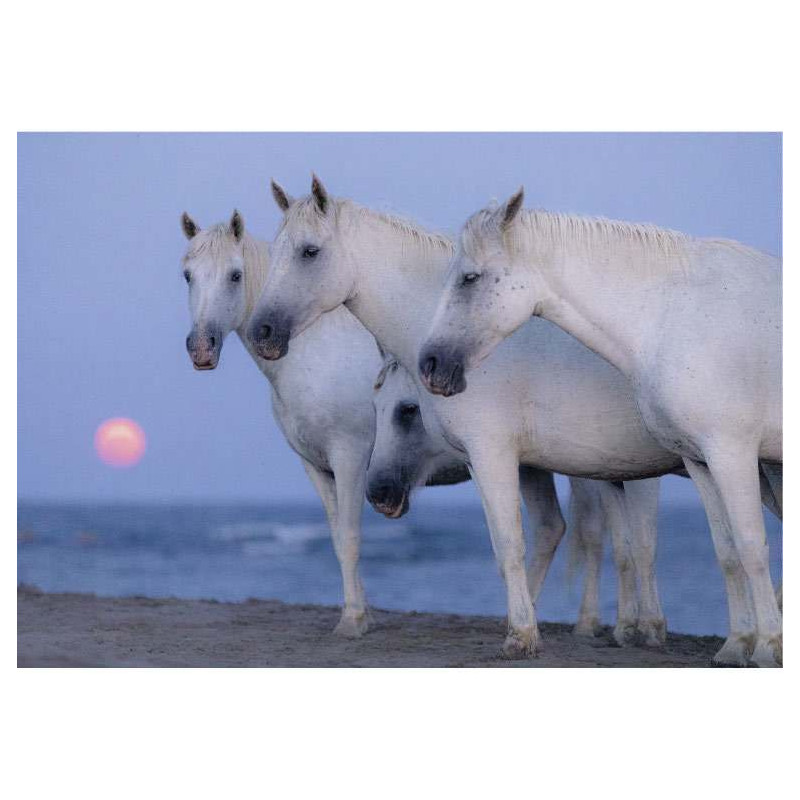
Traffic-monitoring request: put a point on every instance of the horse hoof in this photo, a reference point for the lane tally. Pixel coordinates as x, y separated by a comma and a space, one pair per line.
625, 633
521, 644
768, 652
587, 627
653, 632
735, 652
352, 626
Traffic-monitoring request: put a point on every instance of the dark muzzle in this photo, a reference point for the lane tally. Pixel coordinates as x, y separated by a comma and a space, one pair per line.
204, 347
389, 498
442, 372
269, 336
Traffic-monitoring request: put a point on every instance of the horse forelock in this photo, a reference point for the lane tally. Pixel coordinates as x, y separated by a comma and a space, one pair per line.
479, 230
305, 213
213, 241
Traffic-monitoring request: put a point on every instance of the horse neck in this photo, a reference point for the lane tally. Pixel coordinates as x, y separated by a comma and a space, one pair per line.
608, 301
256, 264
398, 279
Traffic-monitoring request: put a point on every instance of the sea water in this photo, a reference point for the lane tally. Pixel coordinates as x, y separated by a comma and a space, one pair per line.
436, 558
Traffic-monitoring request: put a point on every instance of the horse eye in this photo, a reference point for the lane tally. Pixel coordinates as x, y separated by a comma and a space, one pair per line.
310, 251
236, 276
187, 276
470, 278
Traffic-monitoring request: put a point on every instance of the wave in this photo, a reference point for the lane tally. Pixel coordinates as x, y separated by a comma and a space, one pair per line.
287, 533
298, 532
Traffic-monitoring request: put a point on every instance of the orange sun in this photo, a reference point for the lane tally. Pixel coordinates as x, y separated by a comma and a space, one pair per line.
119, 442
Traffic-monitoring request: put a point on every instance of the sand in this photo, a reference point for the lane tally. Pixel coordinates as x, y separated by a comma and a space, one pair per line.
78, 630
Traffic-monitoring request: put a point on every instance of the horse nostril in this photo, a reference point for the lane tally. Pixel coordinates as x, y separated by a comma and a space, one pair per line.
212, 340
380, 494
189, 342
429, 367
265, 331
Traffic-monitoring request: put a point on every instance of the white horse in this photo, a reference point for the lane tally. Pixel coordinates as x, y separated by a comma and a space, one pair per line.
571, 413
321, 394
325, 413
695, 324
405, 455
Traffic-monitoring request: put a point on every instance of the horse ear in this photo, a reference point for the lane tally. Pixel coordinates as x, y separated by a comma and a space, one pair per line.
189, 226
281, 198
379, 381
388, 366
508, 212
319, 192
236, 226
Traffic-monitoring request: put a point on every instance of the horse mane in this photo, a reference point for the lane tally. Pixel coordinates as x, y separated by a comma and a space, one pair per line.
343, 212
217, 241
592, 232
544, 230
738, 247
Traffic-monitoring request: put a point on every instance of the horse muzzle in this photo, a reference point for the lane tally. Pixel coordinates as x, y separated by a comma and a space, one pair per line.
442, 372
204, 347
269, 337
389, 499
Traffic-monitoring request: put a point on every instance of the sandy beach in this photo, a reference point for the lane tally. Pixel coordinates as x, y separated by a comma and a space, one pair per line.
77, 630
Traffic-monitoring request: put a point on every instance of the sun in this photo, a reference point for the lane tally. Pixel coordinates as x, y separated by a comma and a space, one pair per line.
120, 442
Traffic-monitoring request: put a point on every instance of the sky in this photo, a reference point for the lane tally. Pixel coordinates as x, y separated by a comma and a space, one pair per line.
102, 306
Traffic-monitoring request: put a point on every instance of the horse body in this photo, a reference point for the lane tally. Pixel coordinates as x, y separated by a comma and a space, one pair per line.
326, 414
696, 327
568, 411
320, 407
389, 273
405, 455
721, 329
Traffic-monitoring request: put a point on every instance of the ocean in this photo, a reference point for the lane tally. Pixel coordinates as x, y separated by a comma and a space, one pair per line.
436, 558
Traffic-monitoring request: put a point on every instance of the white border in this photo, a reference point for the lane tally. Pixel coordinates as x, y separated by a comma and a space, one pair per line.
409, 66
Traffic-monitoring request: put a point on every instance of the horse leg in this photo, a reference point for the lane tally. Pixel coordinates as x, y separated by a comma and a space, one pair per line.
539, 493
497, 479
613, 500
736, 478
742, 636
350, 469
771, 476
587, 526
641, 503
339, 498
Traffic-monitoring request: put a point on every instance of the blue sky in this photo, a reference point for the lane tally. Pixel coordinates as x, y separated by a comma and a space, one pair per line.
102, 310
